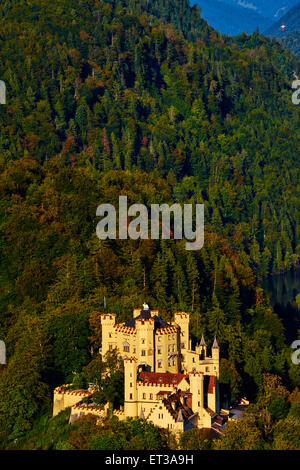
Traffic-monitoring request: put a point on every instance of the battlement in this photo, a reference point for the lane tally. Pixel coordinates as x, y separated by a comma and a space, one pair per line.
84, 406
144, 321
167, 331
182, 316
108, 317
195, 373
130, 359
157, 385
118, 413
125, 329
62, 390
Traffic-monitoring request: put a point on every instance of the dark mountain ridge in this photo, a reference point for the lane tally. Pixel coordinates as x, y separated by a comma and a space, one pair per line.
234, 16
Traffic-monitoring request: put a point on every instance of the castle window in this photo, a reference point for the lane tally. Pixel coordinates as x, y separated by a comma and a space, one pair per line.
134, 350
151, 396
130, 384
126, 347
109, 334
159, 364
144, 396
182, 345
169, 348
143, 340
198, 403
130, 396
143, 352
173, 361
173, 347
158, 350
193, 359
206, 369
110, 347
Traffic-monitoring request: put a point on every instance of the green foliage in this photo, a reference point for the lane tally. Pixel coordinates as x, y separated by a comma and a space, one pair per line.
140, 98
46, 434
132, 434
195, 439
241, 435
108, 375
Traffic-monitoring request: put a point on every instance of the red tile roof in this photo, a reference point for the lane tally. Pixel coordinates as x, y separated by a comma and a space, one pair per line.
161, 378
211, 384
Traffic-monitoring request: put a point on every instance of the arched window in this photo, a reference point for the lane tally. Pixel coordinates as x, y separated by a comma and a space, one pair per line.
126, 347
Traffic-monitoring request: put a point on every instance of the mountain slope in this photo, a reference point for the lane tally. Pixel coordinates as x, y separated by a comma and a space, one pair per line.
234, 16
269, 8
291, 20
291, 36
231, 19
292, 42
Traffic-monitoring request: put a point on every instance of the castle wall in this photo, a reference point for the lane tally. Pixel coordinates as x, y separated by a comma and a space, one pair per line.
78, 410
62, 398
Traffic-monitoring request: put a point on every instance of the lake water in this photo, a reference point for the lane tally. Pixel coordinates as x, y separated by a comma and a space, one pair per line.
283, 288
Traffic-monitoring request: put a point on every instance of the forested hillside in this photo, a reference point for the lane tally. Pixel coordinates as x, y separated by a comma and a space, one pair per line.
292, 42
142, 99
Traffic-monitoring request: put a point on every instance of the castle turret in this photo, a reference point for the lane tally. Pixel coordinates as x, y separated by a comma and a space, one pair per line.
196, 389
183, 320
145, 341
130, 388
215, 353
202, 348
108, 338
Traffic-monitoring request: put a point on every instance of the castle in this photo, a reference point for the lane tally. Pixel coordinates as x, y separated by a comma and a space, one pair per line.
166, 381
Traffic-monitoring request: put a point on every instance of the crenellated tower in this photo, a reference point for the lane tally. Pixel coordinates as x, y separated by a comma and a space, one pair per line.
130, 387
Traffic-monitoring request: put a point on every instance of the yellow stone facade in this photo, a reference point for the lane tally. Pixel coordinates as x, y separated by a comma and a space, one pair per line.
166, 381
148, 343
157, 345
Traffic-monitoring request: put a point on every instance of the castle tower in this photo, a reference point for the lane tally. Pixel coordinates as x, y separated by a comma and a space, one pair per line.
215, 353
183, 320
108, 337
130, 388
202, 349
197, 391
145, 346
